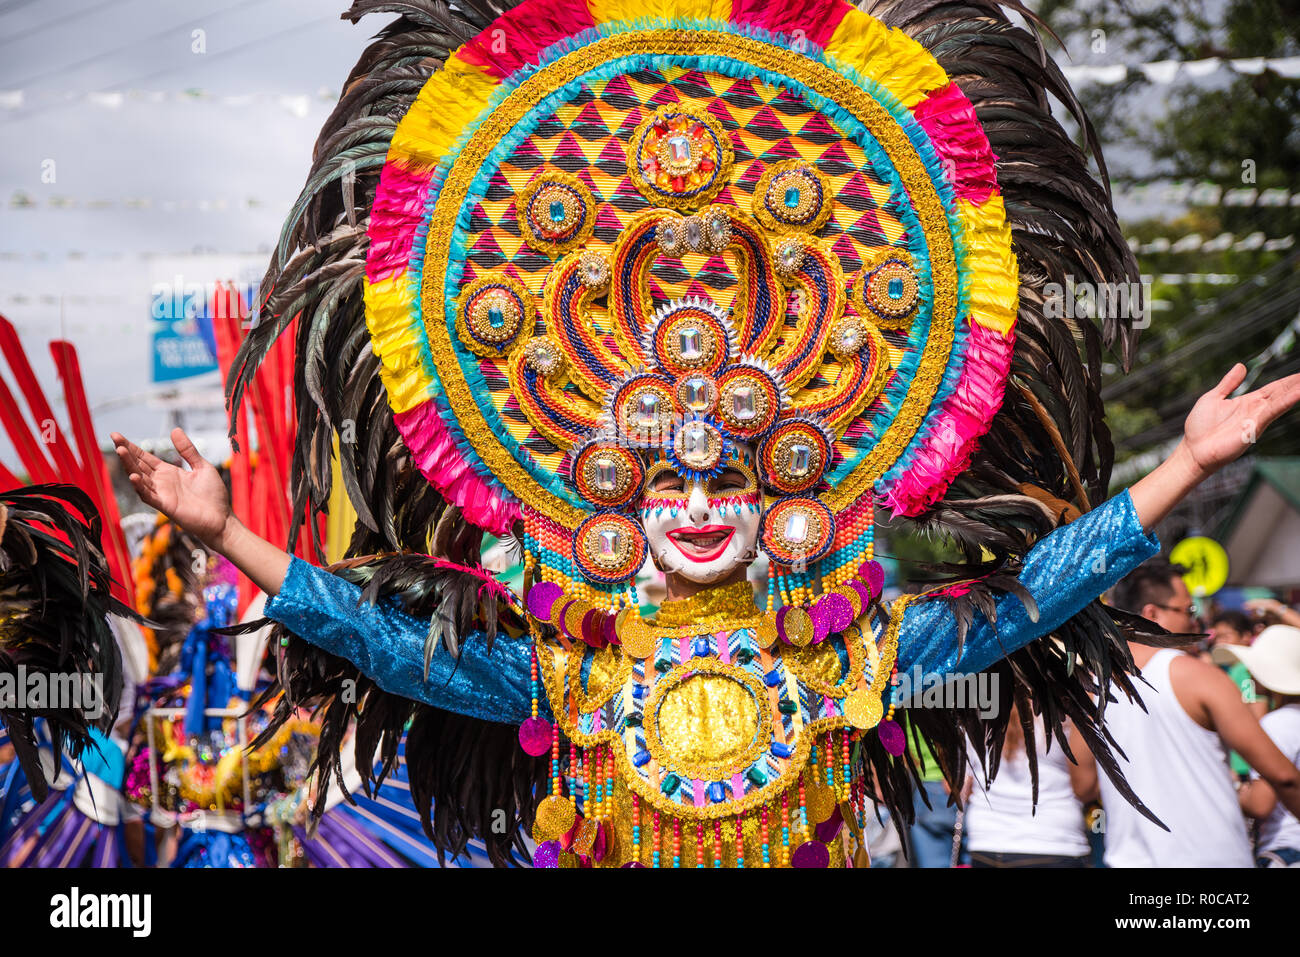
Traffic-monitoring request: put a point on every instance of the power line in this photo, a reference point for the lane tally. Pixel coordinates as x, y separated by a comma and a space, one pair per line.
5, 41
207, 18
1208, 315
208, 58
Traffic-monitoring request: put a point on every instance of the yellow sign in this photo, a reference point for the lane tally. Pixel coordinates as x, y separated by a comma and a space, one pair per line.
1206, 563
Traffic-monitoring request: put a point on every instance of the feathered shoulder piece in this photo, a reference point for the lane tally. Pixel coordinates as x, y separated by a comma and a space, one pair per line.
55, 639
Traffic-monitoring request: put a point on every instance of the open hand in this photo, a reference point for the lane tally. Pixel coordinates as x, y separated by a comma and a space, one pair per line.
1220, 428
195, 498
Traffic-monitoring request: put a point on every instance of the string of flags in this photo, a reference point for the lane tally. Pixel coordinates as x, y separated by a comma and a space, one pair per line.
25, 200
1191, 193
296, 104
1195, 242
1164, 72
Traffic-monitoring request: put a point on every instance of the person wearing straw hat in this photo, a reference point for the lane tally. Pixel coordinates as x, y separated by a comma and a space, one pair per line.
1274, 662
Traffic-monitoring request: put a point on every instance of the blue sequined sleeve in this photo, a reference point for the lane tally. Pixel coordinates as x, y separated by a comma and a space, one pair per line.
1064, 572
388, 646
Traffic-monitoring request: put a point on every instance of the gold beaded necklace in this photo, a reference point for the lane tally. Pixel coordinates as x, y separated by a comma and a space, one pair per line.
710, 607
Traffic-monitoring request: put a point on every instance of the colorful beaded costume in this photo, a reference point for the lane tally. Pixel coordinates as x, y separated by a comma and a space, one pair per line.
583, 242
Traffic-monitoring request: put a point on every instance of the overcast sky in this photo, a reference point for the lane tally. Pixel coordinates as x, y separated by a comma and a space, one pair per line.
220, 103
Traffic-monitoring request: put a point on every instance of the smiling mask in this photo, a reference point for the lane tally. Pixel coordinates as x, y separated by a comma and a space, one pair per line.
702, 530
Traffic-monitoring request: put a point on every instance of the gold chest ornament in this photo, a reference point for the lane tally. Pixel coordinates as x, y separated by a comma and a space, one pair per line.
699, 739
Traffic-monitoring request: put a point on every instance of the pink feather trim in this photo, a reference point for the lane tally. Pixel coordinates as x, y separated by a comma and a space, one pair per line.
435, 453
516, 37
964, 417
395, 218
963, 147
813, 20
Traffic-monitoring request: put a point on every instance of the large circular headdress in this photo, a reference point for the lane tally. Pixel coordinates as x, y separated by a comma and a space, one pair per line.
607, 230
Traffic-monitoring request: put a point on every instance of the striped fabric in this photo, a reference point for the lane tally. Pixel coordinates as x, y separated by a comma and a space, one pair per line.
381, 831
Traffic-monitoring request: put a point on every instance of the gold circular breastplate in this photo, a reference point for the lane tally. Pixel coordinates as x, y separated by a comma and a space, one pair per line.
707, 720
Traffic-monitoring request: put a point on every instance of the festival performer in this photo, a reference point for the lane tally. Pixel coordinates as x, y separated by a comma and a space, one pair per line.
697, 280
69, 537
60, 800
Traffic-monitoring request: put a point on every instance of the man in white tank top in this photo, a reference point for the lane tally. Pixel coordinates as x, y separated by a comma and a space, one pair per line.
1177, 749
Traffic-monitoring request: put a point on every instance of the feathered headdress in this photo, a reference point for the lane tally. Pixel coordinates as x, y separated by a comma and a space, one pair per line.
546, 245
54, 606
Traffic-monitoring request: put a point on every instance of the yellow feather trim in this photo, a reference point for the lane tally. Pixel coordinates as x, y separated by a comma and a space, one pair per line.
390, 304
994, 274
620, 11
890, 57
451, 99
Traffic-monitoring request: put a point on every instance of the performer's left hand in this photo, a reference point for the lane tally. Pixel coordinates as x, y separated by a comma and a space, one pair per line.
1220, 427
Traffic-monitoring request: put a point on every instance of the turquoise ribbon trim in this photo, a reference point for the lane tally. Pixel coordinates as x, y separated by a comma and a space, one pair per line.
104, 759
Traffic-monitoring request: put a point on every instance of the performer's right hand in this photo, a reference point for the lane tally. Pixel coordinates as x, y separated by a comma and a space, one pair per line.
194, 498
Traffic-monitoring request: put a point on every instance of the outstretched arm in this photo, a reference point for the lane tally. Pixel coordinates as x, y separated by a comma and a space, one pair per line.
196, 499
1074, 564
388, 646
1063, 572
381, 640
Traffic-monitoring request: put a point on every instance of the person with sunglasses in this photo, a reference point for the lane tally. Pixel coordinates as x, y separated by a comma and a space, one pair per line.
1176, 743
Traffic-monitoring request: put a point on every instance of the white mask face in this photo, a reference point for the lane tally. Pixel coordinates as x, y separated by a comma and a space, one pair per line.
702, 532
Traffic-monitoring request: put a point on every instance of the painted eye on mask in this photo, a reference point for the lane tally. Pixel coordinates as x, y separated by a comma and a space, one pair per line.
729, 481
667, 484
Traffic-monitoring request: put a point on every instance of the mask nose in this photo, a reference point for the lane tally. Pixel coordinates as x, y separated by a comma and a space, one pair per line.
697, 506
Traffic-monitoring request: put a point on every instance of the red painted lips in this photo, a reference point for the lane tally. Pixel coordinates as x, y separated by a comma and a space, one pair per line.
703, 544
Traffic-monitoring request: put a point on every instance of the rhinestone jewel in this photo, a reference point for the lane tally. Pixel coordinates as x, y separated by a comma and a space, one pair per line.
694, 232
895, 289
610, 540
557, 211
695, 442
647, 410
496, 317
800, 460
742, 403
541, 357
688, 342
606, 475
679, 148
695, 394
668, 239
789, 257
792, 197
796, 527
